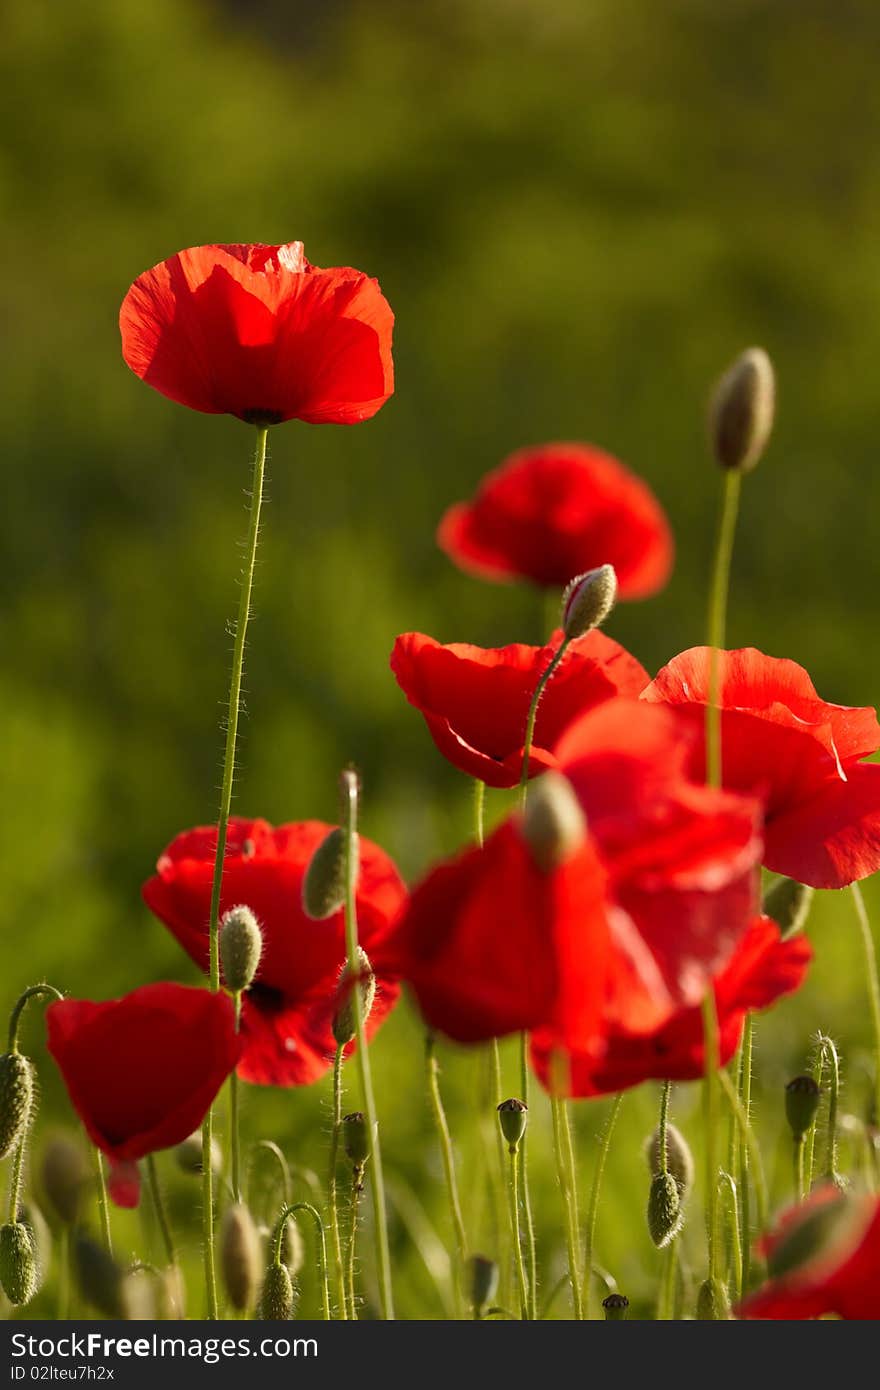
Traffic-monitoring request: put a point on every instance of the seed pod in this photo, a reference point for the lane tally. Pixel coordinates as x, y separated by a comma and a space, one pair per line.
188, 1155
65, 1177
679, 1159
482, 1280
713, 1304
513, 1116
356, 1138
802, 1096
240, 1256
788, 903
588, 600
554, 826
665, 1215
323, 890
344, 1023
16, 1094
18, 1263
241, 945
277, 1297
741, 411
616, 1307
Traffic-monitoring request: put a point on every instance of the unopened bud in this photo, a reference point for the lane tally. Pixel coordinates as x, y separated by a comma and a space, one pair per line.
16, 1093
741, 411
344, 1022
788, 903
100, 1280
277, 1297
554, 826
170, 1294
293, 1251
616, 1307
679, 1159
587, 601
324, 886
18, 1263
513, 1116
817, 1230
665, 1215
66, 1178
802, 1096
188, 1155
41, 1237
713, 1305
240, 1256
482, 1278
241, 945
356, 1138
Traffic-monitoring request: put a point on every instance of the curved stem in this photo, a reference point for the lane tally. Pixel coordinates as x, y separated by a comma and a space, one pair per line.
447, 1155
35, 991
604, 1145
332, 1203
873, 987
285, 1216
710, 1048
718, 595
160, 1210
533, 713
383, 1259
269, 1146
232, 718
103, 1207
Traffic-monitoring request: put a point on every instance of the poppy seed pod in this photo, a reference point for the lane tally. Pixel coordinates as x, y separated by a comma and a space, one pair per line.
482, 1281
65, 1177
277, 1297
18, 1263
16, 1094
356, 1138
713, 1305
679, 1159
323, 890
588, 600
344, 1022
802, 1097
188, 1155
741, 411
788, 903
665, 1215
513, 1116
240, 1256
241, 945
554, 826
616, 1307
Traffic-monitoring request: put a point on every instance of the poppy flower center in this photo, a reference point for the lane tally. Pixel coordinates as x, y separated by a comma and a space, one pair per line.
261, 418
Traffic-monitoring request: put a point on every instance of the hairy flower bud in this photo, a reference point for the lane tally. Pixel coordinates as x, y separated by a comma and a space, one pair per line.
240, 1256
554, 825
356, 1138
713, 1305
277, 1296
344, 1023
29, 1214
188, 1155
616, 1307
18, 1263
65, 1177
16, 1094
802, 1096
323, 890
665, 1214
513, 1116
788, 903
742, 409
241, 945
679, 1159
587, 601
482, 1281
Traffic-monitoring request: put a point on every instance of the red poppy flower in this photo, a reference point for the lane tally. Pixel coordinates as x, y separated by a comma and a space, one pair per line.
800, 756
143, 1070
258, 332
288, 1012
554, 511
634, 922
761, 970
823, 1257
476, 700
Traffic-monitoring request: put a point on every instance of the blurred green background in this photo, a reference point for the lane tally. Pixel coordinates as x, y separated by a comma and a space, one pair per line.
580, 211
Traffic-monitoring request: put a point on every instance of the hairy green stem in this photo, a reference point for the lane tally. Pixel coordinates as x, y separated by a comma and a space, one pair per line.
870, 953
524, 1180
516, 1236
103, 1206
744, 1165
35, 992
442, 1126
718, 595
710, 1047
564, 1178
278, 1237
160, 1210
532, 716
593, 1209
332, 1202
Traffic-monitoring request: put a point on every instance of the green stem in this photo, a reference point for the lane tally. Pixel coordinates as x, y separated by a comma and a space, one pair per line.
234, 1133
103, 1207
232, 718
873, 987
710, 1047
63, 1274
751, 1143
285, 1216
533, 713
35, 991
734, 1229
354, 1202
563, 1174
666, 1297
798, 1167
160, 1210
718, 595
479, 809
524, 1179
593, 1209
830, 1052
516, 1236
269, 1146
745, 1180
446, 1153
663, 1126
350, 800
332, 1202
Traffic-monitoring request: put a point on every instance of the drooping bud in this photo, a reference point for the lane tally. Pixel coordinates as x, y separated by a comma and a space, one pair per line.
100, 1280
16, 1094
742, 409
616, 1307
513, 1116
679, 1159
188, 1155
356, 1138
713, 1305
554, 826
241, 945
665, 1214
344, 1023
323, 890
41, 1237
277, 1297
240, 1256
18, 1263
788, 903
802, 1096
66, 1178
482, 1281
587, 601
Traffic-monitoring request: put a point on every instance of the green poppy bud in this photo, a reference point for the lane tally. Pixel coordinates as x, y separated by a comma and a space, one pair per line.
588, 600
277, 1297
41, 1237
324, 885
713, 1305
188, 1155
482, 1281
356, 1138
554, 826
616, 1307
18, 1263
241, 945
665, 1215
788, 903
240, 1258
65, 1177
16, 1094
344, 1023
100, 1280
513, 1116
802, 1097
679, 1159
742, 409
